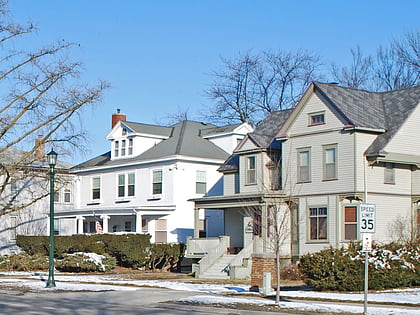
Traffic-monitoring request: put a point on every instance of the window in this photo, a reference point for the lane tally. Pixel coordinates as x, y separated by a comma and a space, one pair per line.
57, 196
201, 182
304, 165
127, 226
126, 185
56, 226
251, 171
350, 223
121, 185
131, 184
67, 195
13, 187
130, 146
116, 148
123, 144
389, 173
330, 162
13, 224
318, 223
157, 182
96, 188
160, 231
144, 225
316, 119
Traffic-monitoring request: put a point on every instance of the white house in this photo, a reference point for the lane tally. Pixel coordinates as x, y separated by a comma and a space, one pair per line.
24, 201
315, 165
143, 184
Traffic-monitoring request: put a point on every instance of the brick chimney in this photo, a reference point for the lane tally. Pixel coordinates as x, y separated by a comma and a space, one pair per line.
118, 117
39, 149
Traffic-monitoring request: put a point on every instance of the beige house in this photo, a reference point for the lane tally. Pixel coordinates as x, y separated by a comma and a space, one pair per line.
307, 170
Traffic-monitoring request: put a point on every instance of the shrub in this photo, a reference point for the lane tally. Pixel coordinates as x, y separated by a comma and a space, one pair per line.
24, 262
165, 256
390, 266
290, 272
85, 262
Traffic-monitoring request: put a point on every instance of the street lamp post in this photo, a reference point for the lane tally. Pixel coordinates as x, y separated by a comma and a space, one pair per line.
52, 161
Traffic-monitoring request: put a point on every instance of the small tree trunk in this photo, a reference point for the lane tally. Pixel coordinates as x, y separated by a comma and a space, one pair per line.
278, 277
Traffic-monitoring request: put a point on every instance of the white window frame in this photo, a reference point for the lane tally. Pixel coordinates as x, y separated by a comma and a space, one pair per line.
300, 151
250, 173
116, 148
129, 179
130, 146
123, 147
200, 182
92, 192
350, 223
157, 182
326, 163
389, 173
316, 119
317, 216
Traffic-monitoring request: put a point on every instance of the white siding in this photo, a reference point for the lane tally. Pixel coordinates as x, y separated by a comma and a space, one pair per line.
406, 139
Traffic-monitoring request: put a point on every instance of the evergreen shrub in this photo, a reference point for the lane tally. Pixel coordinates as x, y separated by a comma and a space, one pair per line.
390, 266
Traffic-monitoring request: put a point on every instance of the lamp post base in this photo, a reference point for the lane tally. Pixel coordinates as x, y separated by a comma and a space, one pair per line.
50, 284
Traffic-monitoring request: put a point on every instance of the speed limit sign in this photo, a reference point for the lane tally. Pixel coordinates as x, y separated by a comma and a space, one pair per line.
367, 213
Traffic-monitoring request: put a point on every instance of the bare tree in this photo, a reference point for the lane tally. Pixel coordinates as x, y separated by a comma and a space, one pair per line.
403, 230
391, 68
358, 75
282, 220
232, 90
42, 95
252, 85
171, 119
407, 48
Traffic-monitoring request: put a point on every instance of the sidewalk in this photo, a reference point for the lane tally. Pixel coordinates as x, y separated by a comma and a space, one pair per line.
405, 301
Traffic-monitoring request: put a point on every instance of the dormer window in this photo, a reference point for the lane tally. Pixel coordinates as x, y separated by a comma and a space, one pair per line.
316, 119
130, 146
123, 146
116, 148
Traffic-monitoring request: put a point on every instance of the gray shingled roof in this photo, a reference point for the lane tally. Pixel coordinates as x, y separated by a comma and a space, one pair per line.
213, 130
383, 110
184, 139
263, 136
149, 129
12, 154
266, 130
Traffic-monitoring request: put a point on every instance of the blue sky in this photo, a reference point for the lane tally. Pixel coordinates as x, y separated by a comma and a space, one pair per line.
157, 55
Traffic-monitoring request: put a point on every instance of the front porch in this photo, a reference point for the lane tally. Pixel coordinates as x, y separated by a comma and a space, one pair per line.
248, 228
114, 221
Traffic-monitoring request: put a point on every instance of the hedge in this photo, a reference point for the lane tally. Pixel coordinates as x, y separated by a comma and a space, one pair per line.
129, 250
390, 266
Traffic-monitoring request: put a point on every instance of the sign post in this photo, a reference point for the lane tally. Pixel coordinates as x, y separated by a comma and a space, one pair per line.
367, 218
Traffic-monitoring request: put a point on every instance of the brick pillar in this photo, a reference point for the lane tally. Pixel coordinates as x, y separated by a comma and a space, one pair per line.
261, 264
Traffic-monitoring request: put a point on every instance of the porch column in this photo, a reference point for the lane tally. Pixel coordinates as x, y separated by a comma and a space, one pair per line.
138, 222
105, 219
196, 222
264, 225
80, 220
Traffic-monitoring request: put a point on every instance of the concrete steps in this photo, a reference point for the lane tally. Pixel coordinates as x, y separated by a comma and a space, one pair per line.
218, 270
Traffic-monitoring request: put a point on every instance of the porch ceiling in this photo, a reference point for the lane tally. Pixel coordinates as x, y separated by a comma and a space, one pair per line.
233, 201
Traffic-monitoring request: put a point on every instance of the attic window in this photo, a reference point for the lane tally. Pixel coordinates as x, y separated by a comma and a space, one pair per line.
316, 119
124, 132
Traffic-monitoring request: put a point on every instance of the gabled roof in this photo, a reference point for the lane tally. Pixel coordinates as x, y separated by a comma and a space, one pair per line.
148, 129
183, 139
376, 110
262, 136
214, 130
267, 129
